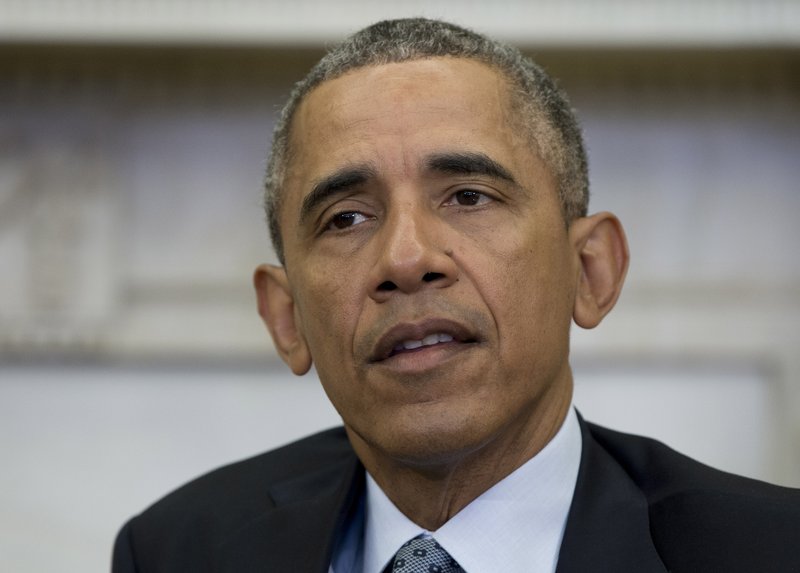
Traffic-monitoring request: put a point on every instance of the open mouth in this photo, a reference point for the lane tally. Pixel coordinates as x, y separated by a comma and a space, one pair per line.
430, 340
408, 338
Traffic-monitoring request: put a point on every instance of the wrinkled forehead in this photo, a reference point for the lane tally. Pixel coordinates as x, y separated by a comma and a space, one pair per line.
422, 101
402, 84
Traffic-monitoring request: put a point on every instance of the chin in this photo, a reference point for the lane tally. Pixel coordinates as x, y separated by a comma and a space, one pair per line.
429, 440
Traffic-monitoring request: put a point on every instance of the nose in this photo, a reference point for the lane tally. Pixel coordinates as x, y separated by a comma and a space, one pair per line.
412, 255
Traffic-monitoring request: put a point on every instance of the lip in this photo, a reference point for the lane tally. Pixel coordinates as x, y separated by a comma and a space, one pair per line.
384, 348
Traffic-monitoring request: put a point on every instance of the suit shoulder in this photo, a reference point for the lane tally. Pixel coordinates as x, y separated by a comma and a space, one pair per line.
233, 493
704, 519
302, 457
662, 472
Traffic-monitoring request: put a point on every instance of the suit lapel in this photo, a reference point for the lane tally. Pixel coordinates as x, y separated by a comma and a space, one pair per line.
299, 534
608, 527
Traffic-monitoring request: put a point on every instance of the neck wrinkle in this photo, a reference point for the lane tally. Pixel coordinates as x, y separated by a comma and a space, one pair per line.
430, 495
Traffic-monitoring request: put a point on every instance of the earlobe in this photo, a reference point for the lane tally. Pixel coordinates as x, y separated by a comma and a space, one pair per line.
603, 256
277, 310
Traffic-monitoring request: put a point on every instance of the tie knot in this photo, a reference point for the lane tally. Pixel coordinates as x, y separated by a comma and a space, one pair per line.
424, 555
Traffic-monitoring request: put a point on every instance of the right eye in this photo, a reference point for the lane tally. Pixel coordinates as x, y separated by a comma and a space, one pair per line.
345, 220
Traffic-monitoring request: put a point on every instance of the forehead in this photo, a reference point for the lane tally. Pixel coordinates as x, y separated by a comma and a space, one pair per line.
416, 103
413, 78
466, 81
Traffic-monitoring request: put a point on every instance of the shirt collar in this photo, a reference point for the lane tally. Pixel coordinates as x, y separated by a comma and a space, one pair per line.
525, 513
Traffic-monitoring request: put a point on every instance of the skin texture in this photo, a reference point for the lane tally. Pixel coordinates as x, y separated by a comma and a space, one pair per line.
402, 241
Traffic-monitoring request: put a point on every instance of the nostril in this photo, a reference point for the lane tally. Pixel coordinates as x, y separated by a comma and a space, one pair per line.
387, 286
430, 277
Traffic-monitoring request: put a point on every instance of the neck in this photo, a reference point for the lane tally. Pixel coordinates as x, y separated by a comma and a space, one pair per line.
430, 492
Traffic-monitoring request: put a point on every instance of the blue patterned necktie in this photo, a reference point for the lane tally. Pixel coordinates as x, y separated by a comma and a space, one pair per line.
423, 555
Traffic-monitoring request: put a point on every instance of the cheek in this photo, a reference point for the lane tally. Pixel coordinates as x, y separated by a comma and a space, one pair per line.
526, 285
328, 330
328, 309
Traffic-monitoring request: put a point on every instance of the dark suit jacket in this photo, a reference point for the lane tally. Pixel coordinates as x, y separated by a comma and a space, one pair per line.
638, 507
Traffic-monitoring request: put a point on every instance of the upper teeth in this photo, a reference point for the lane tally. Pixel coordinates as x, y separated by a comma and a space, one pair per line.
427, 341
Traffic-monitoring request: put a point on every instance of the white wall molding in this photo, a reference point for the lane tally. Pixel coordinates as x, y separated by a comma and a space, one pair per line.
582, 23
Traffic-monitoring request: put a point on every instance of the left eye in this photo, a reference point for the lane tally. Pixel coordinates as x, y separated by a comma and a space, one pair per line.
469, 197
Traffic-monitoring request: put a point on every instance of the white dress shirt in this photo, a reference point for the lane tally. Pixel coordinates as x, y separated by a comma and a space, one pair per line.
515, 526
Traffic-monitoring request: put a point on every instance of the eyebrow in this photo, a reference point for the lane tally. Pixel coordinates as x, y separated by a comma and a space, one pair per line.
468, 163
335, 184
452, 163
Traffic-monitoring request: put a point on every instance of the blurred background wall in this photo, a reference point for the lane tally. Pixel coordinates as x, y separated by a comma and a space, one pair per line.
132, 144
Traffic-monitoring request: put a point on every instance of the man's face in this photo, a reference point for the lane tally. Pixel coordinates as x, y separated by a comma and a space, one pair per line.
432, 274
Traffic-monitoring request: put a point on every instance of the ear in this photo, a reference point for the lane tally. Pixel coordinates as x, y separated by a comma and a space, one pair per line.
602, 250
277, 310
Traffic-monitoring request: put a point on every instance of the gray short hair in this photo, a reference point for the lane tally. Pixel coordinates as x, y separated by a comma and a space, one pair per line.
539, 102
